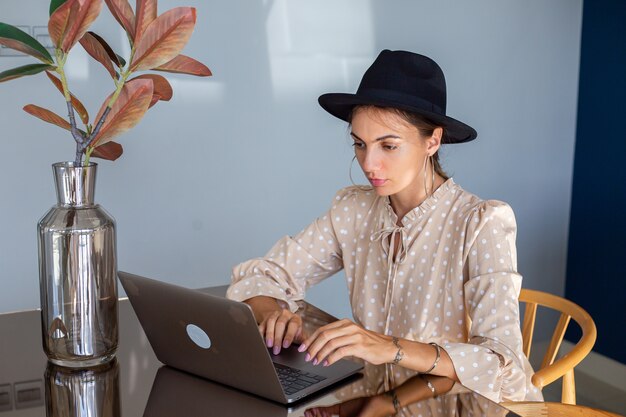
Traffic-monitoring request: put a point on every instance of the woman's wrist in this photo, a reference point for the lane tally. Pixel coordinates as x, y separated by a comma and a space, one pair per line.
391, 402
263, 307
437, 358
394, 352
399, 355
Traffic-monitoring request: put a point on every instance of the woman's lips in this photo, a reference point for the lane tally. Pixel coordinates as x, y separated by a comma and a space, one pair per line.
376, 182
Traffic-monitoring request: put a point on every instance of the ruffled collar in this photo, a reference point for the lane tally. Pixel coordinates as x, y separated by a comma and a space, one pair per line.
430, 203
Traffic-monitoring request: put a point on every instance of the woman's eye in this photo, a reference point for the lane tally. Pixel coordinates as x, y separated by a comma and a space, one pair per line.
358, 145
390, 147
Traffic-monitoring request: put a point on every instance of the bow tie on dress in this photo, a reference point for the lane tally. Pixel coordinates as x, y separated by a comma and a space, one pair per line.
387, 237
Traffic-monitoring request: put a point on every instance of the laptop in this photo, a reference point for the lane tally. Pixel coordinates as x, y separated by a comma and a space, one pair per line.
218, 339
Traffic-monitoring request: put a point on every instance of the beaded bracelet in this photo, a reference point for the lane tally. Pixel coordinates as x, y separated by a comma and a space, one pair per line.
394, 400
436, 359
399, 353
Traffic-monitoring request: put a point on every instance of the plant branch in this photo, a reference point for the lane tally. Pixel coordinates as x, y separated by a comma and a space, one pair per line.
76, 134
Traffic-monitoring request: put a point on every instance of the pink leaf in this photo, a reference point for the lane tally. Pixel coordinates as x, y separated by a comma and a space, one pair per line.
184, 65
164, 38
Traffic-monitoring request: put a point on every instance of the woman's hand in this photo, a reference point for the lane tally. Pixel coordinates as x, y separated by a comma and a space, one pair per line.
376, 406
345, 338
278, 326
281, 329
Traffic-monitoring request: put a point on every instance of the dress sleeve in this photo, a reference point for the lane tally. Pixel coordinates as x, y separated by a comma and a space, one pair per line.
492, 362
293, 264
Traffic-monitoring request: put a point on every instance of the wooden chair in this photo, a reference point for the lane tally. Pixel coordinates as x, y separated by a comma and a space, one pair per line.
550, 369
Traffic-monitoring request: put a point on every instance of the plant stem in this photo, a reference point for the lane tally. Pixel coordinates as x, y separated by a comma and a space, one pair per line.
88, 155
78, 136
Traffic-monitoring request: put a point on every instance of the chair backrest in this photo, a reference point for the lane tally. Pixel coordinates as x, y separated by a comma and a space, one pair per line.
550, 369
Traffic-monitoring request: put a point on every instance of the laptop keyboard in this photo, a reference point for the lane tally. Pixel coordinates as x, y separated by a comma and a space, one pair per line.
294, 380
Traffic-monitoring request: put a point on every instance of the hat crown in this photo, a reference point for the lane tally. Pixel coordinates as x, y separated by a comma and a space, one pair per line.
406, 76
405, 81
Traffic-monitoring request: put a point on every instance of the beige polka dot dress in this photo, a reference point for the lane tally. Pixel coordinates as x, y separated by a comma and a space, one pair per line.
453, 279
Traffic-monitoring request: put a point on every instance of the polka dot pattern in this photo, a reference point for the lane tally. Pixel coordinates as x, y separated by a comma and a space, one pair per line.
456, 260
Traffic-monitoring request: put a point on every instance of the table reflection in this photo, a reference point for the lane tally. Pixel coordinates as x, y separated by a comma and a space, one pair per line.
178, 393
88, 392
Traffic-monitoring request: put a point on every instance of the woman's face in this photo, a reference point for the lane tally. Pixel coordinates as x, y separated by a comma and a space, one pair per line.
390, 151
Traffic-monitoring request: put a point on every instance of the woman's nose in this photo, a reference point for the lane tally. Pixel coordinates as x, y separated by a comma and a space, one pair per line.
370, 161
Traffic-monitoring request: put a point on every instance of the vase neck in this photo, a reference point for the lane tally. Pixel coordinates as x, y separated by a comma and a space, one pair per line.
75, 185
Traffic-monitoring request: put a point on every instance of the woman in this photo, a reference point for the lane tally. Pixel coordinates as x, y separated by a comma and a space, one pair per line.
431, 269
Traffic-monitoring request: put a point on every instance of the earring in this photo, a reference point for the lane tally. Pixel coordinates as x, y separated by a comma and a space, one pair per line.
425, 170
432, 175
360, 187
428, 159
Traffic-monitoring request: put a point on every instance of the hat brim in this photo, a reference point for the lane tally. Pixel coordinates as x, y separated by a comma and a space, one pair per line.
340, 105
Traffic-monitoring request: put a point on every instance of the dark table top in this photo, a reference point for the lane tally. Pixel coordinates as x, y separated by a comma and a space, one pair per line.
137, 384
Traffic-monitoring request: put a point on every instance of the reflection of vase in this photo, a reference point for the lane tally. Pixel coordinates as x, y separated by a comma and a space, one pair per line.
87, 392
77, 272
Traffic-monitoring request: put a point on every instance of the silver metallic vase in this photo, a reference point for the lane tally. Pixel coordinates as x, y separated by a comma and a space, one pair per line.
78, 272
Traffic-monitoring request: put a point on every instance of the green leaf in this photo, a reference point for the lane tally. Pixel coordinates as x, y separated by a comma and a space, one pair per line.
122, 61
29, 69
17, 39
54, 4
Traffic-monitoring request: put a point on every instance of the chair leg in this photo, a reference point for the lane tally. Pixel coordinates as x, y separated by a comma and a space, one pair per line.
568, 395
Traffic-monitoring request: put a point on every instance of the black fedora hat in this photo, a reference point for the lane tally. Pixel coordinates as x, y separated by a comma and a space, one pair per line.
406, 81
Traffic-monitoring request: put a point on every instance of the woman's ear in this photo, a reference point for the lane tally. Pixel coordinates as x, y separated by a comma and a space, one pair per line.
434, 142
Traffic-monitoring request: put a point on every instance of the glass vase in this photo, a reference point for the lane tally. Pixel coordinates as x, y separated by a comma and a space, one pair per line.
78, 272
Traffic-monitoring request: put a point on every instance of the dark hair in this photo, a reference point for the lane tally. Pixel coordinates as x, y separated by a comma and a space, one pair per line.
425, 127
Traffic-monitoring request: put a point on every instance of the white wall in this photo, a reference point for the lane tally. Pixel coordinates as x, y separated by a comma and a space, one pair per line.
235, 161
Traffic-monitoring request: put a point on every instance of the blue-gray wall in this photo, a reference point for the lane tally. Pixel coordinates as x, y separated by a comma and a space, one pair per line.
235, 161
596, 277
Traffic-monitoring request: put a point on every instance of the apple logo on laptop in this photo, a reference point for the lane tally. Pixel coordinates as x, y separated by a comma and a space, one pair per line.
198, 336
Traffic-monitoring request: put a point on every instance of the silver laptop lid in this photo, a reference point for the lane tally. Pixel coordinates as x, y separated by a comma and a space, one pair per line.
209, 336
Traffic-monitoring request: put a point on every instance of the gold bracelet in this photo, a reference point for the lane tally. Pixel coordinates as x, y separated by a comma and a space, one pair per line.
394, 400
436, 359
399, 353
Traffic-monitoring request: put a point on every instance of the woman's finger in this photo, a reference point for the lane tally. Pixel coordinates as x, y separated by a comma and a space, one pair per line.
270, 323
344, 352
309, 340
338, 348
279, 332
293, 329
326, 337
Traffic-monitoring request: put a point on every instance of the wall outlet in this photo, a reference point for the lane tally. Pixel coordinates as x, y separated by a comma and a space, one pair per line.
41, 34
6, 398
28, 394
